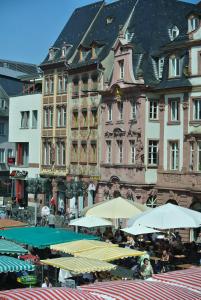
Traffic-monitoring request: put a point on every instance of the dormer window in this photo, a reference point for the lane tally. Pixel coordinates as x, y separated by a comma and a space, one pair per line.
83, 54
193, 24
174, 66
109, 20
51, 54
173, 32
121, 69
63, 51
160, 67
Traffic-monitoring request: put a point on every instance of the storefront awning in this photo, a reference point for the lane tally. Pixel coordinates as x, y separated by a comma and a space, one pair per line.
11, 264
79, 246
79, 265
8, 223
109, 253
7, 247
42, 237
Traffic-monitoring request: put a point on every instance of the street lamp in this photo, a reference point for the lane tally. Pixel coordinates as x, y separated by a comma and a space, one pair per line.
75, 188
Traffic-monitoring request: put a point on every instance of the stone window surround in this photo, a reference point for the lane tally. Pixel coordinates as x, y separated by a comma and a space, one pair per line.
157, 119
171, 75
170, 122
47, 90
92, 82
60, 143
192, 121
169, 142
152, 166
50, 112
63, 112
63, 90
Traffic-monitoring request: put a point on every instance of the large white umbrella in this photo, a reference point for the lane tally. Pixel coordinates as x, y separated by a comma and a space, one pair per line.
168, 216
137, 229
117, 208
90, 222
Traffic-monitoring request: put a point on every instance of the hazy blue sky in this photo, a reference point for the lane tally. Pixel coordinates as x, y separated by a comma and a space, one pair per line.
29, 28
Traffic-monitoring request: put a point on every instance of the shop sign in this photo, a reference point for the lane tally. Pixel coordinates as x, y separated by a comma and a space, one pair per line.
18, 174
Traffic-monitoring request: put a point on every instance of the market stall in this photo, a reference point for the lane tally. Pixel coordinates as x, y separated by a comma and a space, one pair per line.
42, 237
79, 246
109, 253
7, 247
11, 264
44, 294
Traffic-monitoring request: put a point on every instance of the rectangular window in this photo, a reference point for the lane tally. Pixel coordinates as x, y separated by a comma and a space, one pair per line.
51, 85
2, 155
2, 128
160, 67
47, 153
65, 81
60, 84
46, 86
93, 152
132, 152
63, 154
75, 88
120, 151
175, 66
191, 166
74, 152
121, 69
75, 119
133, 110
94, 83
34, 118
109, 152
58, 116
25, 119
109, 116
51, 117
120, 108
199, 156
10, 153
84, 85
25, 154
58, 154
84, 118
63, 116
174, 156
197, 109
94, 119
153, 110
153, 153
174, 110
84, 152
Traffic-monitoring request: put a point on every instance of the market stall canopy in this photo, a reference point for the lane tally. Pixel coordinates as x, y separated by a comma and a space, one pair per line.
79, 246
90, 222
117, 208
169, 216
44, 294
136, 290
190, 278
9, 223
137, 229
42, 237
109, 253
7, 247
11, 264
79, 265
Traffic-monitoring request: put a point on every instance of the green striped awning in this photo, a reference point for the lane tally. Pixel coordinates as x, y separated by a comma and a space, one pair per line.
7, 247
11, 264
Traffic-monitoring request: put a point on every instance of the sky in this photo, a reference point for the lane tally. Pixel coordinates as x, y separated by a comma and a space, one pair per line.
29, 28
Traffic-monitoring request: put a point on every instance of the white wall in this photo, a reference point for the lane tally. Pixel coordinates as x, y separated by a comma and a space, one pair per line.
194, 59
30, 135
173, 132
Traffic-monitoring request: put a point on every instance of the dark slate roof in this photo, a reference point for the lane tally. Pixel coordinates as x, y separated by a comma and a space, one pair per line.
75, 29
150, 23
24, 68
3, 94
11, 86
10, 73
106, 34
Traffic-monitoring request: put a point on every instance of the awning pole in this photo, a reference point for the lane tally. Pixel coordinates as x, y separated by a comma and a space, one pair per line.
42, 274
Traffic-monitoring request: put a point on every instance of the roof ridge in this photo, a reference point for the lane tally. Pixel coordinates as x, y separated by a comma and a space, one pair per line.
88, 5
16, 62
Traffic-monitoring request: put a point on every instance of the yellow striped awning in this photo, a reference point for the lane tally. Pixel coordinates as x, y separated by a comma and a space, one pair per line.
82, 245
109, 253
79, 265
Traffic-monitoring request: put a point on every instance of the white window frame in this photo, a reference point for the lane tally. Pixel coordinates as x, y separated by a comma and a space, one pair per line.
133, 109
193, 23
132, 152
34, 118
9, 153
109, 151
109, 116
25, 115
153, 153
197, 109
161, 61
175, 66
60, 84
153, 109
199, 156
51, 85
174, 110
174, 156
47, 154
120, 151
121, 69
192, 151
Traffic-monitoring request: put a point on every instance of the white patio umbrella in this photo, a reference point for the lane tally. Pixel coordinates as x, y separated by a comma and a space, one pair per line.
90, 222
137, 229
168, 216
117, 208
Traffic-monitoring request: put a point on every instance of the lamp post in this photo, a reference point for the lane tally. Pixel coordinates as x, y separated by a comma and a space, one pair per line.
75, 188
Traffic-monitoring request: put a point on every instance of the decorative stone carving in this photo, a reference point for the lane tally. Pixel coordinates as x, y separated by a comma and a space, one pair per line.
52, 154
108, 134
185, 105
118, 132
106, 193
161, 106
139, 157
129, 195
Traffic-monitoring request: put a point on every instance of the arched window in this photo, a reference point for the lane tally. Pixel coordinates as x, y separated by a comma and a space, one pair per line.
151, 202
173, 32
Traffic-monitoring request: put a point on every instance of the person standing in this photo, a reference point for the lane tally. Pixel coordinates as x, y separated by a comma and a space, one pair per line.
51, 220
46, 283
